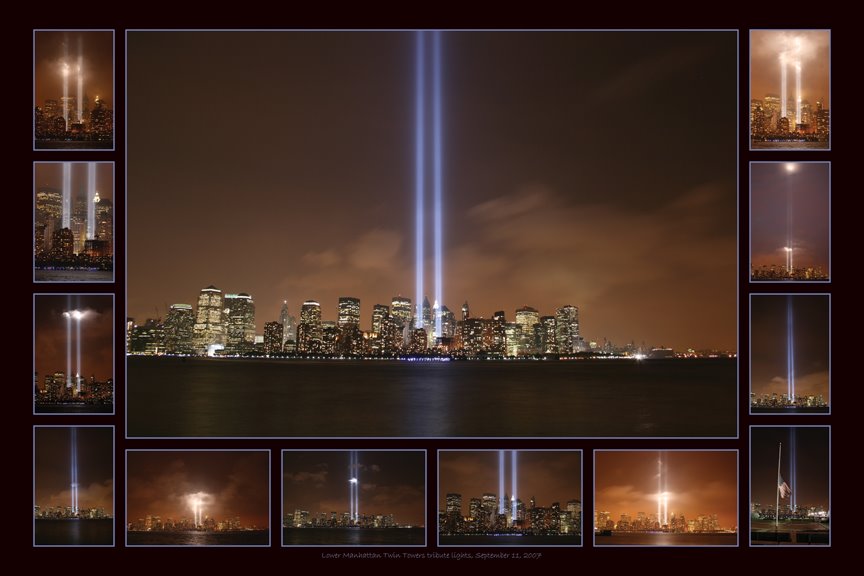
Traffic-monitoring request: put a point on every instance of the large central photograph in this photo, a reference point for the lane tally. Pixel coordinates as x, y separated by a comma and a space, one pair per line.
424, 234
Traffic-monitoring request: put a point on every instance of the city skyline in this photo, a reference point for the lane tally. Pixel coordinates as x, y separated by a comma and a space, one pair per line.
603, 239
227, 484
389, 483
52, 464
766, 46
810, 480
790, 204
697, 483
771, 344
97, 49
548, 475
55, 343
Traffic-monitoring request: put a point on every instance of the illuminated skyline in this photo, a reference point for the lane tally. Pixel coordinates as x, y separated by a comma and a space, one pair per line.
53, 467
52, 336
523, 223
389, 482
809, 47
227, 484
810, 480
696, 483
790, 207
547, 475
789, 335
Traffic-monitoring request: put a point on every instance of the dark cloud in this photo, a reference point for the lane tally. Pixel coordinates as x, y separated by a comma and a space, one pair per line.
391, 482
699, 483
52, 467
555, 192
97, 334
231, 483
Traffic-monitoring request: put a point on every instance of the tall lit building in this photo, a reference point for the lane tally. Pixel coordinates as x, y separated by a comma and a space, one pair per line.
272, 337
310, 332
179, 329
448, 322
62, 244
105, 222
527, 317
380, 312
567, 329
349, 311
512, 338
289, 325
546, 343
239, 318
499, 333
209, 329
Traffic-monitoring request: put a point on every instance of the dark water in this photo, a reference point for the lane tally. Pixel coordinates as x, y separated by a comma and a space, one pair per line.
74, 408
353, 537
74, 145
824, 410
74, 532
505, 540
652, 539
788, 145
74, 276
192, 538
231, 397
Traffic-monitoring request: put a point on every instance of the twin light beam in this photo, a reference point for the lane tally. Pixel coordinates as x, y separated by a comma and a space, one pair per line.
420, 181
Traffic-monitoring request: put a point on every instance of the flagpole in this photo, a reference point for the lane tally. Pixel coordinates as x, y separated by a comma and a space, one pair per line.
777, 505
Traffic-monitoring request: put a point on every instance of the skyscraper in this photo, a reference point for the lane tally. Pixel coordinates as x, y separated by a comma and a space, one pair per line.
379, 313
547, 343
209, 329
310, 332
289, 325
239, 321
272, 337
527, 317
349, 311
567, 329
179, 329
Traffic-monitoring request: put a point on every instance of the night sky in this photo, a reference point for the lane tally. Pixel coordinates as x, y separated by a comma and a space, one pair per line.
699, 483
391, 482
97, 334
769, 344
811, 478
50, 175
774, 186
235, 483
95, 467
98, 51
578, 168
765, 49
548, 476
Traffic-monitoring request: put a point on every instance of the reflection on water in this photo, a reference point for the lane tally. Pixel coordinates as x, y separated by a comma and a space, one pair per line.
199, 538
51, 532
660, 539
231, 397
353, 536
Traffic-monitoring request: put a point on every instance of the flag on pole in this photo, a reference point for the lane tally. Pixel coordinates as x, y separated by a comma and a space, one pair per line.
783, 487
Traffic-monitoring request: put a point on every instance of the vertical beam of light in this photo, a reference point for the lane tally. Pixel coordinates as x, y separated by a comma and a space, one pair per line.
659, 491
789, 219
514, 475
356, 487
501, 505
66, 85
91, 197
77, 353
74, 468
419, 180
798, 92
67, 194
790, 349
68, 316
793, 464
783, 85
436, 107
80, 82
